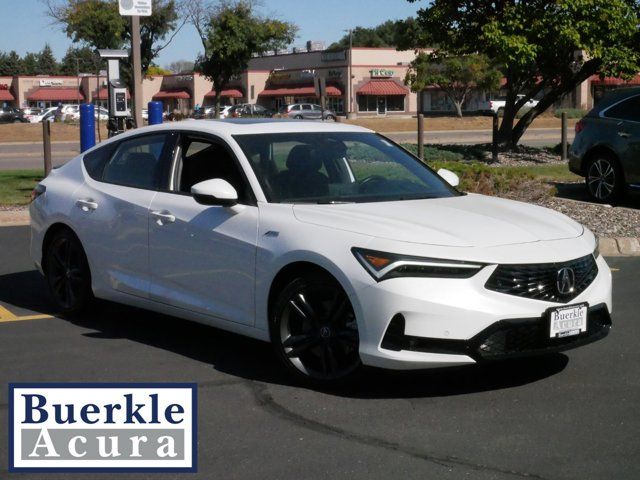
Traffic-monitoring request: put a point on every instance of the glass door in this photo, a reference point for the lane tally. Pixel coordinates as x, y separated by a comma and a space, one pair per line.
382, 105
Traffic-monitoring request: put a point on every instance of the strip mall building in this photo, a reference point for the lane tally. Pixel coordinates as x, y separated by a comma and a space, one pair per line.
369, 82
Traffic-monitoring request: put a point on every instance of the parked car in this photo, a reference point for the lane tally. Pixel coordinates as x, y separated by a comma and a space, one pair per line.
306, 111
248, 110
48, 115
314, 236
31, 112
498, 104
606, 148
12, 115
100, 113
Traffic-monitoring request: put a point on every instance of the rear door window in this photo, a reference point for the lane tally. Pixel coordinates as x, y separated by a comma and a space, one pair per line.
137, 162
628, 109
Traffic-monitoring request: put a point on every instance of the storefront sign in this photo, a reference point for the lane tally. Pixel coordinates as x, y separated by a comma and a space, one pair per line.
381, 73
333, 56
334, 74
51, 83
291, 76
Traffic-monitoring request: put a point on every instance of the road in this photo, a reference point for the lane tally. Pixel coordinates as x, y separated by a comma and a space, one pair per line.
29, 155
565, 416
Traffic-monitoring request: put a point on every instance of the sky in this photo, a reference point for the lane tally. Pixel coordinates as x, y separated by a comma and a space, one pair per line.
28, 28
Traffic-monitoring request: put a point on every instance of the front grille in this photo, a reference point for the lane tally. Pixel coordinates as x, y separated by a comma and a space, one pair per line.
540, 281
512, 338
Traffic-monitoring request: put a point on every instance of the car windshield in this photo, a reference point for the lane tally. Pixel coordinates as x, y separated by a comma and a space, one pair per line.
338, 167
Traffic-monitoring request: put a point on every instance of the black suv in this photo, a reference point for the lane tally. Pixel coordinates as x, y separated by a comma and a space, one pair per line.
11, 115
606, 150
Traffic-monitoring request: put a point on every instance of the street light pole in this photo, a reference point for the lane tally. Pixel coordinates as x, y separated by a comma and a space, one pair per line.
137, 70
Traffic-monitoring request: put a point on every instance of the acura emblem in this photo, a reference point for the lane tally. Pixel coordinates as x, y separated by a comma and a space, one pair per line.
566, 281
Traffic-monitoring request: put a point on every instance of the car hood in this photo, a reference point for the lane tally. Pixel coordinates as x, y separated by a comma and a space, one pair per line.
465, 221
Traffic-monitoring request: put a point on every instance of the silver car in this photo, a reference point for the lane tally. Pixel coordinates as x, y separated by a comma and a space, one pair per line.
309, 111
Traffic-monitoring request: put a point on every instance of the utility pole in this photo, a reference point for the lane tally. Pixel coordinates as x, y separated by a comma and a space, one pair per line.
137, 70
349, 74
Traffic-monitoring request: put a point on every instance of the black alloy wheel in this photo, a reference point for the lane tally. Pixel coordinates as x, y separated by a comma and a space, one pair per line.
315, 332
605, 180
67, 273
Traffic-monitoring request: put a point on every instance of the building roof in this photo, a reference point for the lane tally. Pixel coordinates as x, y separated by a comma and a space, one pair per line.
55, 93
382, 87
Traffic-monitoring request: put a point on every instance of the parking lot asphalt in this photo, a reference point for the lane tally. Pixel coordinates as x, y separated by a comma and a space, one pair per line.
564, 416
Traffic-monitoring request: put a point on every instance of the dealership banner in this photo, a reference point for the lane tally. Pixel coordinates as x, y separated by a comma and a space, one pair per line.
102, 427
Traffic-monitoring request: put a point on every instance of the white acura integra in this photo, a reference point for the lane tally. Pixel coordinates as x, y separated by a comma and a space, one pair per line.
328, 240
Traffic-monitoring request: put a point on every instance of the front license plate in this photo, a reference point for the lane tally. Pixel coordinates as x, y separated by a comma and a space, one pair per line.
567, 321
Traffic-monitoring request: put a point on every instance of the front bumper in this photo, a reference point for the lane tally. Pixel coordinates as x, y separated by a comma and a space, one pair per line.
447, 322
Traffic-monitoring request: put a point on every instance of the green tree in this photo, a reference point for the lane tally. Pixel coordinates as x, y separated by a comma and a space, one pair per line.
98, 24
180, 66
80, 59
10, 63
457, 76
545, 48
387, 34
47, 63
29, 64
231, 33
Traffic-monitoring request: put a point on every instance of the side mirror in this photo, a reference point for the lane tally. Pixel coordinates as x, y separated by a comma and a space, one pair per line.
450, 177
215, 192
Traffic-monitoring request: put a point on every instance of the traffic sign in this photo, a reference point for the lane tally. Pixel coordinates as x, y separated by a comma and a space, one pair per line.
140, 8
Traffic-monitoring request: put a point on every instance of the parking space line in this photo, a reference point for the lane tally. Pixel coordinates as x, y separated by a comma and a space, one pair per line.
7, 316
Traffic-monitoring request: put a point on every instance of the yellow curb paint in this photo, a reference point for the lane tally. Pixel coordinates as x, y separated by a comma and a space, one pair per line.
7, 316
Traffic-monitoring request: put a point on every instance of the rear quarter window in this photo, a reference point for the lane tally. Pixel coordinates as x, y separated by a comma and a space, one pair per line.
95, 161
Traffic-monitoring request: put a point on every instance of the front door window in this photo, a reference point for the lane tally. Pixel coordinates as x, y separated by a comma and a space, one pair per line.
382, 105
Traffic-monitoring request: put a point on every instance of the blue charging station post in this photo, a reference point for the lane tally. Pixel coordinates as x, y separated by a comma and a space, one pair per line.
155, 112
87, 127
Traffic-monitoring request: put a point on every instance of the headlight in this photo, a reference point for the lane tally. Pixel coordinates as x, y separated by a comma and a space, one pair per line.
596, 250
382, 266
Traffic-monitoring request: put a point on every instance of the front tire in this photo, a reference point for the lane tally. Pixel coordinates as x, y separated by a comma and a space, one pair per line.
605, 179
67, 273
298, 117
314, 331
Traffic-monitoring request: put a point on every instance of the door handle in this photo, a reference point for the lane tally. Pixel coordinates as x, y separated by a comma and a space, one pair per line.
624, 134
86, 204
163, 216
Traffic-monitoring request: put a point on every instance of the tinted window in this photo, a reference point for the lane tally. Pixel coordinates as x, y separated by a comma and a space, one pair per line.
316, 107
137, 162
626, 110
338, 167
306, 107
94, 161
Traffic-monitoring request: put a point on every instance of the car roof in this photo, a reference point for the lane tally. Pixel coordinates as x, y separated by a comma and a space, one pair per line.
244, 126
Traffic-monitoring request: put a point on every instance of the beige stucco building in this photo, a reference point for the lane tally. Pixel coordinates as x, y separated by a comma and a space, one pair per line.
367, 82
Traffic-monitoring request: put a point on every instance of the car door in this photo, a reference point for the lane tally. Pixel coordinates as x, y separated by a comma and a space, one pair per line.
111, 210
307, 111
202, 257
624, 119
316, 112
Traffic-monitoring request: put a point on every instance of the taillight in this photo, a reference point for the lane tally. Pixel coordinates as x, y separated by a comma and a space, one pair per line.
36, 192
490, 104
580, 125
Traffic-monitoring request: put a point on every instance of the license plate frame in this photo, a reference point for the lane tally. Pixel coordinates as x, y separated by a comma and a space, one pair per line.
568, 327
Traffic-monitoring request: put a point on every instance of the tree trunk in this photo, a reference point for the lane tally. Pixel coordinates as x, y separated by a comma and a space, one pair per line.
508, 118
458, 108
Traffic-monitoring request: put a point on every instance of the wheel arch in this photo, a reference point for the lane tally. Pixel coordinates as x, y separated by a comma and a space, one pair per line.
599, 150
51, 232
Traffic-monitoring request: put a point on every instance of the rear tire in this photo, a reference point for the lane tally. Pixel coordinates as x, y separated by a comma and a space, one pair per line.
329, 117
314, 331
67, 273
605, 179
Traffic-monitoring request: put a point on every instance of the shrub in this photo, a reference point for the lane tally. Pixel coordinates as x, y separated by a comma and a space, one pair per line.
571, 112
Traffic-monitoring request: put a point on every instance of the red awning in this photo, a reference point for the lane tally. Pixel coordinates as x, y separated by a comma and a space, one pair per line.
382, 87
5, 96
297, 91
103, 94
184, 94
55, 94
230, 92
613, 81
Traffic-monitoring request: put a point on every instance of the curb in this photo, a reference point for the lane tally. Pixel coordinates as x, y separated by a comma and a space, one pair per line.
609, 246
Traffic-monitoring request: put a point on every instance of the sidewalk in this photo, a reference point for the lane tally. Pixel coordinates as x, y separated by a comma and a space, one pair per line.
609, 247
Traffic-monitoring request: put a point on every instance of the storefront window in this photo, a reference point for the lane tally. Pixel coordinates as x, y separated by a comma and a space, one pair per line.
381, 104
336, 104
